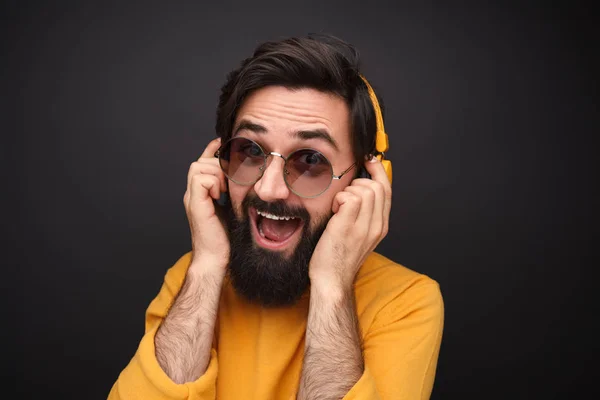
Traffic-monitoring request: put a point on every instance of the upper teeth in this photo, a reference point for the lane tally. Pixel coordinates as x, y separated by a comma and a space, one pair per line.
271, 216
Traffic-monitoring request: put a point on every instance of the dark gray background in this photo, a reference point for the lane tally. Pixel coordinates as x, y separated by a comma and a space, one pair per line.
490, 112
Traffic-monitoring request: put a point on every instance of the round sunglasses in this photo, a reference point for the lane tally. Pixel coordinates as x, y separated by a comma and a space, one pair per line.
306, 172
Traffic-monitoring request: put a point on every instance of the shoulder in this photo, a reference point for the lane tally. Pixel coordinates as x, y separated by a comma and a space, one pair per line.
173, 280
386, 274
387, 291
172, 283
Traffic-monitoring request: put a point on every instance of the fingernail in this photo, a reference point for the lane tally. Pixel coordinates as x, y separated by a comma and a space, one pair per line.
373, 160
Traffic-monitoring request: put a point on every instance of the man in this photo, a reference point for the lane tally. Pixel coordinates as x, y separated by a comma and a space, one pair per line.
281, 295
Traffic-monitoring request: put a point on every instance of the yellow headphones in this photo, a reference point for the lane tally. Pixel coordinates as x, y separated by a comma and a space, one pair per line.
381, 138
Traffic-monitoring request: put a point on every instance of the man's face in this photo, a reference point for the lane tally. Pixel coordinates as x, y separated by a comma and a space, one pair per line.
270, 257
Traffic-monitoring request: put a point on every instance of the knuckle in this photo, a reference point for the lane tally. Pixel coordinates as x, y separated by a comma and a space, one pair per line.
364, 192
355, 200
387, 190
193, 170
339, 196
378, 187
198, 180
384, 231
207, 161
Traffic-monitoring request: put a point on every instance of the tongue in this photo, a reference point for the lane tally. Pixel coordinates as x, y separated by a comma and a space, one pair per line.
280, 230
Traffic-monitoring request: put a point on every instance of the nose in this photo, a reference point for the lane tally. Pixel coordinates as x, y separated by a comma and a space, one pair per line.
271, 186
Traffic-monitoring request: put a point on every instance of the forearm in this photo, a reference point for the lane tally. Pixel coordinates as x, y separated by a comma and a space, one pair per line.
333, 360
184, 340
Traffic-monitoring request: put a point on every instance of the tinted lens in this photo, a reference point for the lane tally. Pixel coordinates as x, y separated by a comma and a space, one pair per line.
242, 160
308, 172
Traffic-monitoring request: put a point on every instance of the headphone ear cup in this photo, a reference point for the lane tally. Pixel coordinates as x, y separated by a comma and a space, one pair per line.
223, 199
387, 166
362, 173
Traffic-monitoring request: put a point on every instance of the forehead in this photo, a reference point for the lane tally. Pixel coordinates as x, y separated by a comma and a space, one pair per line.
283, 111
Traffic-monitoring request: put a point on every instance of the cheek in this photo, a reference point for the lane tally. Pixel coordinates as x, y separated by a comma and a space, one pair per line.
237, 194
319, 207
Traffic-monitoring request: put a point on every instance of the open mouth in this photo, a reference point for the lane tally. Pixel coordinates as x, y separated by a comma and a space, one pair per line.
275, 232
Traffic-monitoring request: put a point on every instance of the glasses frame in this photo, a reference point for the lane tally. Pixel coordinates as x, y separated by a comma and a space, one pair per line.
266, 155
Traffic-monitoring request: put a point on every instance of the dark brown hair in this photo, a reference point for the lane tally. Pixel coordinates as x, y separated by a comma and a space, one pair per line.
321, 62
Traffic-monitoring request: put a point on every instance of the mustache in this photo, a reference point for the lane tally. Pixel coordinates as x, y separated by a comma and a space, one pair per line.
278, 207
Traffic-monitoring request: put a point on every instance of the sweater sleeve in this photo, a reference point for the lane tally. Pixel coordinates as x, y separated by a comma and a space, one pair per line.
402, 346
143, 378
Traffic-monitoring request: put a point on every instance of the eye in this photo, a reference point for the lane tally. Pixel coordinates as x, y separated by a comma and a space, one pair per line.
309, 163
250, 149
312, 158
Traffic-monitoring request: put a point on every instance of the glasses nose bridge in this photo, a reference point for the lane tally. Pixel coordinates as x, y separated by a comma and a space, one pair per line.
276, 154
268, 158
270, 185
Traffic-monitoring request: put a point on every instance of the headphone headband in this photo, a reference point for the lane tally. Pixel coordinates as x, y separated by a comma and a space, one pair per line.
381, 138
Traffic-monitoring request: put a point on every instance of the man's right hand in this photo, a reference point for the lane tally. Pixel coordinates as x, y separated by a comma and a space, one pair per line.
205, 182
184, 339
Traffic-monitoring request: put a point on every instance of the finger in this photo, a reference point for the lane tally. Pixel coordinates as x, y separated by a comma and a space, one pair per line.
367, 220
346, 206
379, 219
378, 174
211, 148
207, 167
203, 188
186, 200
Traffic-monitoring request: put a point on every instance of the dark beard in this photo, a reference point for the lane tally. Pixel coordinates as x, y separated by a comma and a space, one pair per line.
267, 277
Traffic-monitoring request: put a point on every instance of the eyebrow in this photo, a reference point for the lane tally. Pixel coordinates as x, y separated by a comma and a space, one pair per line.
246, 125
320, 134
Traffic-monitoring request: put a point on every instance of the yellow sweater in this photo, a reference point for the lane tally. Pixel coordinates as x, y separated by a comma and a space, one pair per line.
257, 353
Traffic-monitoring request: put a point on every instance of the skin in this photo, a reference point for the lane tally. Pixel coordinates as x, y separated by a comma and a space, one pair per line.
333, 359
283, 112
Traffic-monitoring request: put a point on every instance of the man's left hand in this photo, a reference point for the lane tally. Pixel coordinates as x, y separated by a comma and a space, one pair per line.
360, 221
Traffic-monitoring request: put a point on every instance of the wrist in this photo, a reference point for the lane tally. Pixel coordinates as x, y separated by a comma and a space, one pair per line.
330, 289
207, 266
